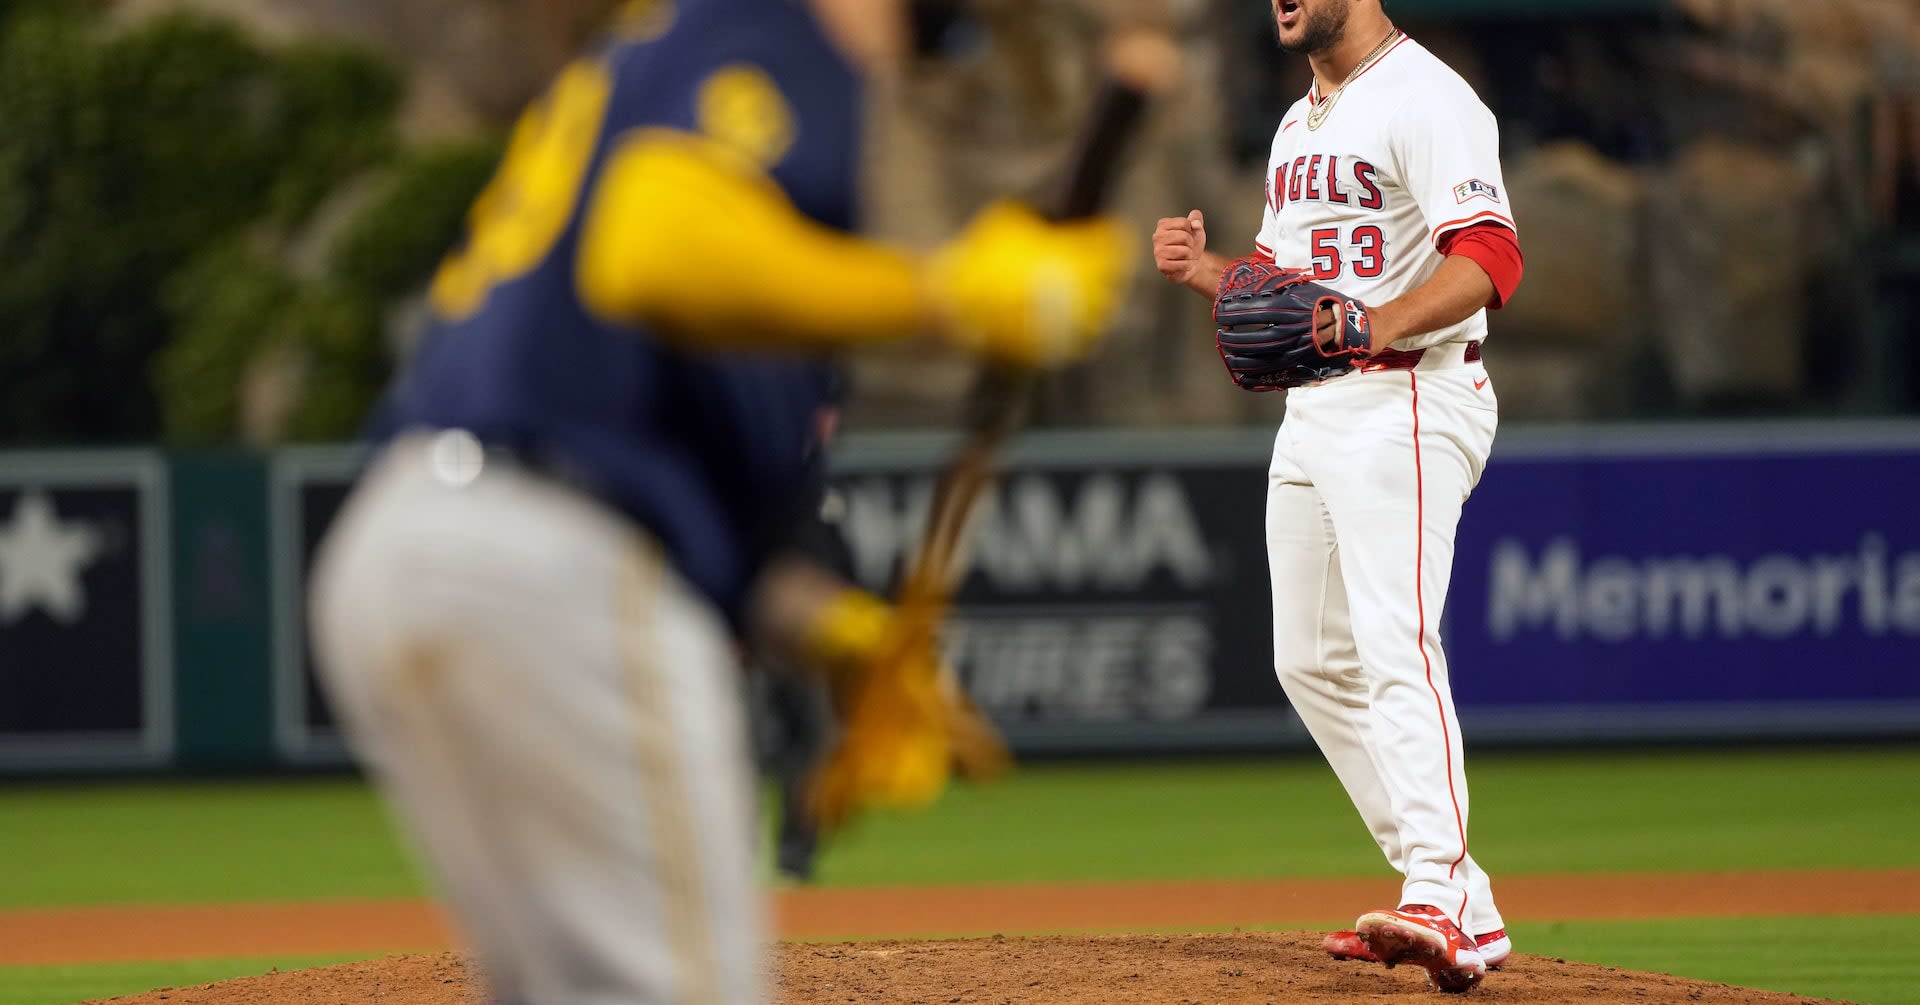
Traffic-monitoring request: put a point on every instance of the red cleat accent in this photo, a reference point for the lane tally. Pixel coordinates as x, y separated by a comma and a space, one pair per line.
1494, 948
1347, 945
1425, 937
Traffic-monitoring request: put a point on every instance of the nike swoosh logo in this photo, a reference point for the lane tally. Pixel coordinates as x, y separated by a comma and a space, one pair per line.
1481, 384
1289, 125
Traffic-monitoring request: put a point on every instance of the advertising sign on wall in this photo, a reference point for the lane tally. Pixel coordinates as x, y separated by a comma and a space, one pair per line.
1740, 581
85, 650
308, 487
1643, 584
1117, 596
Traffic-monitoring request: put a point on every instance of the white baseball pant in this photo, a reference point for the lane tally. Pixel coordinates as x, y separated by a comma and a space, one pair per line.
1364, 495
553, 715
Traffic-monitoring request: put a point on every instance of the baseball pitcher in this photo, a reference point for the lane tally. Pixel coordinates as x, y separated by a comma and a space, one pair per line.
1386, 238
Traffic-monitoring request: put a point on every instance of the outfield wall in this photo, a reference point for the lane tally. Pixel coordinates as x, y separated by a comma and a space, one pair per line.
1636, 584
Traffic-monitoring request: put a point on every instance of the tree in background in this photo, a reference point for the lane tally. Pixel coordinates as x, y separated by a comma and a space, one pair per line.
269, 345
182, 209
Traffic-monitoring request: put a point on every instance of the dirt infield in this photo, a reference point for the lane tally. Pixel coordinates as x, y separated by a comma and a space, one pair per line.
106, 934
1238, 969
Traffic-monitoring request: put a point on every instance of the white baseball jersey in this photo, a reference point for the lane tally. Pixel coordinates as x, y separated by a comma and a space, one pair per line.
1407, 153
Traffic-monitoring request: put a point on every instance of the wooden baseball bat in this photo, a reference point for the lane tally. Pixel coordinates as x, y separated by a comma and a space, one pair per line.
1141, 64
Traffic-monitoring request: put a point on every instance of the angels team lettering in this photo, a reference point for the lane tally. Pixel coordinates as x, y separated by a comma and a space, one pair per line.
1329, 178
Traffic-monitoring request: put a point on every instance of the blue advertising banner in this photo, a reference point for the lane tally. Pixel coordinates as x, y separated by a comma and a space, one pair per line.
1637, 583
1745, 581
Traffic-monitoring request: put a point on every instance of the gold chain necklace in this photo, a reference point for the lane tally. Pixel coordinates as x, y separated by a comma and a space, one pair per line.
1318, 113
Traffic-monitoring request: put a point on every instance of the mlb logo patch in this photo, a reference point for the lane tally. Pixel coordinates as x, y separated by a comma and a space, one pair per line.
1476, 189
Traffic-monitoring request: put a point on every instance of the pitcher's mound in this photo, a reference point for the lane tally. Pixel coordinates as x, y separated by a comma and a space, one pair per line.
1254, 968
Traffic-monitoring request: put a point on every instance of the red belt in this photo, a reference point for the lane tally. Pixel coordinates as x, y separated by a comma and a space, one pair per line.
1394, 359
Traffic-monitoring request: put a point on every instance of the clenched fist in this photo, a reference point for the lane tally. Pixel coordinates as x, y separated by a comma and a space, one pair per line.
1180, 251
1179, 243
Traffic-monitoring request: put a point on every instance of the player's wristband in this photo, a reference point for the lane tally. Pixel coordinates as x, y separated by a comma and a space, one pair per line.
846, 630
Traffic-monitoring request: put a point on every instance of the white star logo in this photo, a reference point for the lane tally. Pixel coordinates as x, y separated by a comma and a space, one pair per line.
41, 559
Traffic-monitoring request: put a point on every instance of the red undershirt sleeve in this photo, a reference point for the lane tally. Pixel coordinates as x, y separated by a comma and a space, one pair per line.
1493, 247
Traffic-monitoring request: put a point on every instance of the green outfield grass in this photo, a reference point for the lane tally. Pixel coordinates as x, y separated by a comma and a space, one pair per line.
167, 842
1851, 959
1533, 813
196, 842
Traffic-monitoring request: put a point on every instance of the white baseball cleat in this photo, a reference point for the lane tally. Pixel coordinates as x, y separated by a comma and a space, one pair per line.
1494, 947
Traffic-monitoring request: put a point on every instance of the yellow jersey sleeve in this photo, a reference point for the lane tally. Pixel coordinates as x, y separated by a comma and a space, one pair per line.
692, 237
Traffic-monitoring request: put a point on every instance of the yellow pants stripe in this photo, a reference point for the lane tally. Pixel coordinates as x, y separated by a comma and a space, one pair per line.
663, 792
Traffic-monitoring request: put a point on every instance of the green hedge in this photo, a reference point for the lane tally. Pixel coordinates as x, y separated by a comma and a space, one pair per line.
162, 187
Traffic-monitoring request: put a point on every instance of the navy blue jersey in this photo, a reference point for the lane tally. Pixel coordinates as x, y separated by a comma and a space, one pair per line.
709, 452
